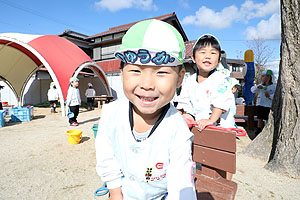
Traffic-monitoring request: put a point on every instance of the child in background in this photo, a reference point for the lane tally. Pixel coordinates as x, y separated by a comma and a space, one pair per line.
143, 145
53, 97
90, 93
73, 100
206, 94
265, 93
229, 116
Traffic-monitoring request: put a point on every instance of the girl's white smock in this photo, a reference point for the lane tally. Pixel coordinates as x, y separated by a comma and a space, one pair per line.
148, 169
200, 99
90, 92
52, 94
262, 100
73, 96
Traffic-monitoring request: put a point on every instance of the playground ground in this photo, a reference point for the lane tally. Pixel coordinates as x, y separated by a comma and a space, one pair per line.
38, 163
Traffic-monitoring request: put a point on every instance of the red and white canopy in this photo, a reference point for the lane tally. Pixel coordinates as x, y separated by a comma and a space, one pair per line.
21, 55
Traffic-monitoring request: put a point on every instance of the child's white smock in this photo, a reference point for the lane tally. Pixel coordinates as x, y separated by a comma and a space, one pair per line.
148, 169
73, 96
200, 99
90, 92
262, 100
52, 94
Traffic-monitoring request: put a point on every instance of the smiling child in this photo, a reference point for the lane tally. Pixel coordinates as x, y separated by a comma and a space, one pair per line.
143, 145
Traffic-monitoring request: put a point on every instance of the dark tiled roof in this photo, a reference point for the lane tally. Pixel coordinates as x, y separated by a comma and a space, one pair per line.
125, 27
236, 61
110, 65
189, 48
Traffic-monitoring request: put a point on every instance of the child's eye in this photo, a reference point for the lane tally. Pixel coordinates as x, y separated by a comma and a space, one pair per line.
135, 71
162, 72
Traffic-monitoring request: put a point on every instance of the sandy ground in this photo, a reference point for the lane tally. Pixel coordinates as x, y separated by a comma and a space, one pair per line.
38, 163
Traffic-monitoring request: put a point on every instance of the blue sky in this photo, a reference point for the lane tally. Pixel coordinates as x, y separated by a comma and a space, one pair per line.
232, 21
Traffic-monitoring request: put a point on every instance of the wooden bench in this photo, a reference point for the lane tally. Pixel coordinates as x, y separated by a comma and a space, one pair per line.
246, 114
103, 99
216, 151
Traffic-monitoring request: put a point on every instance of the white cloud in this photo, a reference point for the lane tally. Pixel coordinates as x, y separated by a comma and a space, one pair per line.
265, 29
115, 5
184, 3
251, 10
206, 17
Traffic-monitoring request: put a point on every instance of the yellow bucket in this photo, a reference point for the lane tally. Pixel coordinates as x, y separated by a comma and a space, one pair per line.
74, 136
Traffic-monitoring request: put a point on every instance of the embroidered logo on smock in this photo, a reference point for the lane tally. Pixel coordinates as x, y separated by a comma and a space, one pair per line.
148, 174
152, 175
159, 165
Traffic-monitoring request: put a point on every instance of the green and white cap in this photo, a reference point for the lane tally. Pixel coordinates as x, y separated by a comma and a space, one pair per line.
73, 79
152, 42
205, 36
267, 72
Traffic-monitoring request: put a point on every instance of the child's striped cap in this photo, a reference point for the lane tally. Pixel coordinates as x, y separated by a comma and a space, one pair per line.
152, 42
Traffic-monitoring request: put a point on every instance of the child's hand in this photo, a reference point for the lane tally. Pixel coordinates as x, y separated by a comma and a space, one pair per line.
260, 87
116, 198
115, 194
187, 116
202, 123
267, 94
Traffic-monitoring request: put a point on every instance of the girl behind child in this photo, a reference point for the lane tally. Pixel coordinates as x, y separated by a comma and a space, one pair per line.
265, 93
90, 93
206, 94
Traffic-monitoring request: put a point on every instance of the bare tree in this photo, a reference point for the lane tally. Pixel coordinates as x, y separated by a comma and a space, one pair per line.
262, 54
279, 142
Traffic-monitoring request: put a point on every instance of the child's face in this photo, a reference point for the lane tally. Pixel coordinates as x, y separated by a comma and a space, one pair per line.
150, 88
265, 78
206, 58
75, 84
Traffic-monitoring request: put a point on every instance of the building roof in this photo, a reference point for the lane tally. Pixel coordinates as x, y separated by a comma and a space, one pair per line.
73, 34
110, 65
235, 61
122, 28
189, 48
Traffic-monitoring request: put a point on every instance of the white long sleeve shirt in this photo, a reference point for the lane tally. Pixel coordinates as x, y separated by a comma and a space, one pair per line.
200, 99
150, 168
90, 92
52, 94
73, 96
262, 100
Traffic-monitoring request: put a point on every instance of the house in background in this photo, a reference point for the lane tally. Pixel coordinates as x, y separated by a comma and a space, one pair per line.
101, 47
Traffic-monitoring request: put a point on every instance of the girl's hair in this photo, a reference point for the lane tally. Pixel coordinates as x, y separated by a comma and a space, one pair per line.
270, 80
205, 41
